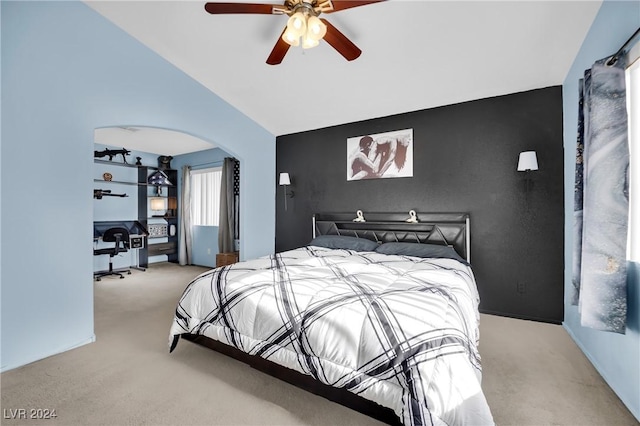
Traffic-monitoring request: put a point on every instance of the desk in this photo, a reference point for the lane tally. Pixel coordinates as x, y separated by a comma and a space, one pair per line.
137, 237
136, 243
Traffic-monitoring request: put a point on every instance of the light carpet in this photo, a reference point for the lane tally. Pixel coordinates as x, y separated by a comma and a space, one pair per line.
533, 373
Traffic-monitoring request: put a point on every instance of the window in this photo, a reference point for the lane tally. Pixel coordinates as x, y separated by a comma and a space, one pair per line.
205, 196
633, 111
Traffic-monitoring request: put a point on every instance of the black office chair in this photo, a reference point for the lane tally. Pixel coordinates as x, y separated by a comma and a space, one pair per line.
119, 236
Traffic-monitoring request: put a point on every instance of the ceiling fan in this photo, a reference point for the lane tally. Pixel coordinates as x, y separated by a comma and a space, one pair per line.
303, 27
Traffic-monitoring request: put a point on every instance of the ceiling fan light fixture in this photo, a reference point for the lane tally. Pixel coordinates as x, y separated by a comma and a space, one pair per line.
316, 29
309, 42
303, 23
291, 38
297, 24
324, 7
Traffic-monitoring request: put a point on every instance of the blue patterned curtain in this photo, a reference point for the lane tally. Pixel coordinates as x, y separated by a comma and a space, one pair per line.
578, 197
601, 202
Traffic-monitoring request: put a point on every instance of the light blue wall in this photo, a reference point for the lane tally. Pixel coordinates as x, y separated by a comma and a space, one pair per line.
1, 133
615, 356
205, 245
66, 71
204, 238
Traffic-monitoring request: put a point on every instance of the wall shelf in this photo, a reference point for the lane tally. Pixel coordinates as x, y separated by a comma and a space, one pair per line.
120, 182
170, 247
135, 183
113, 163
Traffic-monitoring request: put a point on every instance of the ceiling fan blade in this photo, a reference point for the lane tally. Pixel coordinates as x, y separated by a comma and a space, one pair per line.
340, 42
258, 8
348, 4
279, 50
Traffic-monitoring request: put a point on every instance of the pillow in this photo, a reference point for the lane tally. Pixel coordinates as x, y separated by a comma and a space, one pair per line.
344, 242
420, 250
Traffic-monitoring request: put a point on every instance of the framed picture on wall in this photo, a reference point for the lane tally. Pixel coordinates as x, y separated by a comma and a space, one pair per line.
380, 155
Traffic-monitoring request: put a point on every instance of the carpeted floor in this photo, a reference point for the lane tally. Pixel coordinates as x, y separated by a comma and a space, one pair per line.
533, 373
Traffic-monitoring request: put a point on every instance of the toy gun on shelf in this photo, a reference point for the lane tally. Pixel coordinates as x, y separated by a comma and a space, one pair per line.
99, 193
112, 153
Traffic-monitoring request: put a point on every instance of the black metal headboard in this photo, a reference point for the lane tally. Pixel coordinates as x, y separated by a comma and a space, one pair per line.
451, 229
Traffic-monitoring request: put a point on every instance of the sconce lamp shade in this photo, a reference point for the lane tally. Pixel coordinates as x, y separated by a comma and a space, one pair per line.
157, 203
284, 179
527, 161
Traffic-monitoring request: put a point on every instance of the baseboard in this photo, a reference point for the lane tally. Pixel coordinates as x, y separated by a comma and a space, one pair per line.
59, 351
521, 317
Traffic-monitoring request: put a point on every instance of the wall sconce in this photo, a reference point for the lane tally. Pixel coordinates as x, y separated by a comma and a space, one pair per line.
284, 182
527, 161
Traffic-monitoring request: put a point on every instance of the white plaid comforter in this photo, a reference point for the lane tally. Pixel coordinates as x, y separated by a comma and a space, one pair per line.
397, 330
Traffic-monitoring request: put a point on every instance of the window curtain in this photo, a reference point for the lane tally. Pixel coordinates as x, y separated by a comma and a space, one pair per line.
601, 199
228, 222
184, 248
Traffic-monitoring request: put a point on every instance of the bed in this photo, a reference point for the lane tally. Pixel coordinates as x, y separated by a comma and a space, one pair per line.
379, 314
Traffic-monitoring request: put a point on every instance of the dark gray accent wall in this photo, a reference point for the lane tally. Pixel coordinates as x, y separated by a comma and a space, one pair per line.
465, 159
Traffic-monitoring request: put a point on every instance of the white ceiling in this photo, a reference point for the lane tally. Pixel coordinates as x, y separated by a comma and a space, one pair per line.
416, 55
150, 139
